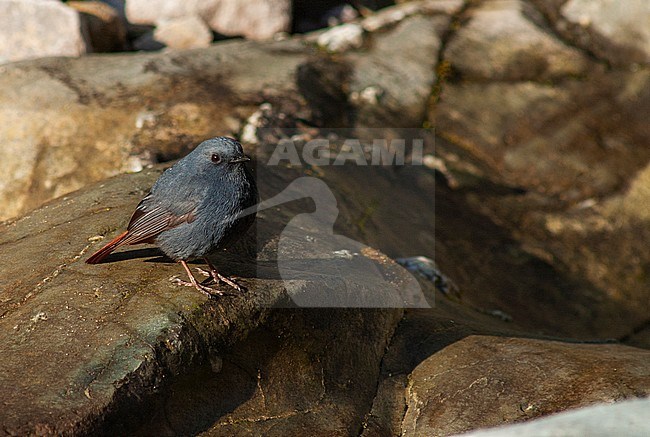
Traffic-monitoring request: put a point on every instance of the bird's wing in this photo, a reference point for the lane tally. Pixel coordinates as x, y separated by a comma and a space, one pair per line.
151, 218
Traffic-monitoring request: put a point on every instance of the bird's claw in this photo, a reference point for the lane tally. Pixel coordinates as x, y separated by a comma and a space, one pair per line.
230, 282
208, 291
216, 278
203, 272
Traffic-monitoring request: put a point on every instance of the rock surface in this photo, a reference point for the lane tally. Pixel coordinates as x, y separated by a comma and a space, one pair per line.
259, 19
254, 19
626, 27
322, 395
61, 37
189, 32
608, 31
504, 41
528, 378
542, 159
105, 336
390, 84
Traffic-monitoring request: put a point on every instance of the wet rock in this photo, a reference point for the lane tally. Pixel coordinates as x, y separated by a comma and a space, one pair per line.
105, 27
530, 378
505, 40
187, 32
623, 418
37, 28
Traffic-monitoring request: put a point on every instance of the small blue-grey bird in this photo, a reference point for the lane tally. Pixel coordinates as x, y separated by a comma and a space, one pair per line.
202, 204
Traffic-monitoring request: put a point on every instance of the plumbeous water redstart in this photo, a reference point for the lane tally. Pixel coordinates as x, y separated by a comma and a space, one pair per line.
202, 204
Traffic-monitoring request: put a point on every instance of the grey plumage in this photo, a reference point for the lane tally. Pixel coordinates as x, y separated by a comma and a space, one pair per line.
195, 207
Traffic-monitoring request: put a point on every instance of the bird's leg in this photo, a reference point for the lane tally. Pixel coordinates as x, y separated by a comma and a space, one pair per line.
218, 277
193, 283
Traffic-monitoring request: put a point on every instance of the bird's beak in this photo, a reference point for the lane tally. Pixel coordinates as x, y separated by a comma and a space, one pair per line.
242, 158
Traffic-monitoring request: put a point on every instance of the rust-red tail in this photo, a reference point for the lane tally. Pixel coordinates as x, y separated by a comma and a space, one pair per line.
102, 253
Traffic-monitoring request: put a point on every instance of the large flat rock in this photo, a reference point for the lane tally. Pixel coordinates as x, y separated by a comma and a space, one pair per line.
81, 341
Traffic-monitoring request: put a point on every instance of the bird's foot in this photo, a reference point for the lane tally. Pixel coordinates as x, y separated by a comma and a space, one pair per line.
203, 272
216, 277
231, 282
208, 291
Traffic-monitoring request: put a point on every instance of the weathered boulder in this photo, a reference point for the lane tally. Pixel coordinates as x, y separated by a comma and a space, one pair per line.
538, 296
511, 379
389, 83
549, 145
23, 34
259, 19
545, 138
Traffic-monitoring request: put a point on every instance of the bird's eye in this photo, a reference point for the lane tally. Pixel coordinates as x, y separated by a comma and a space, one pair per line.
215, 158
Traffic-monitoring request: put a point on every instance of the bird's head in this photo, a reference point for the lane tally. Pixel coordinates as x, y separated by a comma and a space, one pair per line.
218, 155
